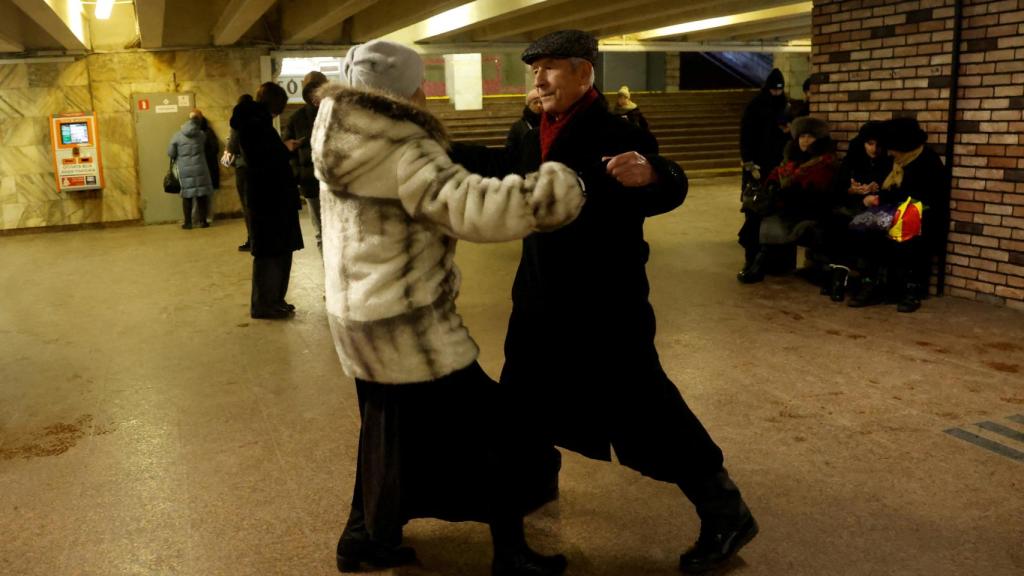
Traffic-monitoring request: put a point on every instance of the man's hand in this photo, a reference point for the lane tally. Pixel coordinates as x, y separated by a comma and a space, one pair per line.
871, 200
631, 169
292, 144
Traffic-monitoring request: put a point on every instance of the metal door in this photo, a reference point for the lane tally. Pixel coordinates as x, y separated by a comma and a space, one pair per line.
158, 117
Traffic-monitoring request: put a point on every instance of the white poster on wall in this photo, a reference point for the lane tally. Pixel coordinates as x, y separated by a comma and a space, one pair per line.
465, 81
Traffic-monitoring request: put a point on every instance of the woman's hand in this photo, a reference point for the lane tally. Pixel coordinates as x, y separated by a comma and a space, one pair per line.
871, 200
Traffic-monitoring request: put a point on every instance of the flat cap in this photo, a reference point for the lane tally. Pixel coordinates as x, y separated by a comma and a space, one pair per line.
562, 44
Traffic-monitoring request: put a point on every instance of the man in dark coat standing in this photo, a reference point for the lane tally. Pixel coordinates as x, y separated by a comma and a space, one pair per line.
580, 352
300, 126
273, 200
763, 136
530, 120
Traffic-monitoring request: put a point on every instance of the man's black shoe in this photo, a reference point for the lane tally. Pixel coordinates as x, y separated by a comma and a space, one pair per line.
529, 563
271, 314
245, 247
715, 547
870, 293
353, 554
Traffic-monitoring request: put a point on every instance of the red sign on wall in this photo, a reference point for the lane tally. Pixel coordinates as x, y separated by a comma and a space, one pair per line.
143, 104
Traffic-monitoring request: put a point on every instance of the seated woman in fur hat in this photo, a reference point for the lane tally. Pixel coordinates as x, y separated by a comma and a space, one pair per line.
797, 194
900, 269
435, 441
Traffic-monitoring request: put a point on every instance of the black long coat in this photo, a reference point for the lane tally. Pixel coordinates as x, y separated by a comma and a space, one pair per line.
273, 196
761, 140
580, 345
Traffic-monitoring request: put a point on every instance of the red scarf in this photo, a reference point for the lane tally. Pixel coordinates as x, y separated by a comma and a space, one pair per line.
551, 128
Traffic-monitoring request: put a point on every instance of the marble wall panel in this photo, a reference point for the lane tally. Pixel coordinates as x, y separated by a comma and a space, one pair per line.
117, 207
117, 140
88, 209
111, 97
74, 73
13, 76
12, 103
22, 160
43, 75
189, 64
24, 132
77, 99
8, 190
12, 216
36, 188
121, 182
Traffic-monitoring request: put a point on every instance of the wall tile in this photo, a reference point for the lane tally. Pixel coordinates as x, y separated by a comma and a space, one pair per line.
12, 216
8, 191
24, 160
43, 75
11, 103
77, 99
110, 97
13, 76
74, 73
36, 188
23, 132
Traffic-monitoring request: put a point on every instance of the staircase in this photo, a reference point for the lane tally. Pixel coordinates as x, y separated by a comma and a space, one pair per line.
697, 129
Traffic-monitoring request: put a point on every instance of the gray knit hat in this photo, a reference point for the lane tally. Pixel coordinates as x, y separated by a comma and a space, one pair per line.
809, 125
383, 65
562, 44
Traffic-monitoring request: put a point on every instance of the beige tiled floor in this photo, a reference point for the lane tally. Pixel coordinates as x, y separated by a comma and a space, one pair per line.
148, 426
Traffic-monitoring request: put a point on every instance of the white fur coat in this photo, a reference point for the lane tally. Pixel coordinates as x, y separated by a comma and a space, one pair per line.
392, 206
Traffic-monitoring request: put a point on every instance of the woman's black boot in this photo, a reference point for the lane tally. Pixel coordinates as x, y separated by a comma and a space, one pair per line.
514, 557
911, 299
871, 292
356, 547
753, 270
837, 287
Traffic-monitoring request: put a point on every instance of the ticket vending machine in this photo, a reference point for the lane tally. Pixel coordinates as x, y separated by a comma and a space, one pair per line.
76, 152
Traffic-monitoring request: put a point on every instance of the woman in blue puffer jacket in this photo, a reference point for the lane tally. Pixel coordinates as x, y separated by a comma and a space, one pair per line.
188, 150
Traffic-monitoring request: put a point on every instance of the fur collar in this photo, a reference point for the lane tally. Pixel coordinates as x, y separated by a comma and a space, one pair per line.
386, 105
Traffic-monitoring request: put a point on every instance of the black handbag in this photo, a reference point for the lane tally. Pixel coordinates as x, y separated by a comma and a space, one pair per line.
171, 183
759, 200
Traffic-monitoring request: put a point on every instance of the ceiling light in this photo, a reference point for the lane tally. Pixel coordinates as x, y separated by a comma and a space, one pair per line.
103, 9
722, 21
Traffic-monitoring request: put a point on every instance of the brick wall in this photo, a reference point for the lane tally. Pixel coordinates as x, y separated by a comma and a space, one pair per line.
877, 59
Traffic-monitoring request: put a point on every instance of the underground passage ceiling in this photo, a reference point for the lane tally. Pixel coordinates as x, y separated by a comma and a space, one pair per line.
48, 27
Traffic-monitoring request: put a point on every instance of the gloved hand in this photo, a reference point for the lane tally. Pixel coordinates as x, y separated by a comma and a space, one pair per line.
754, 170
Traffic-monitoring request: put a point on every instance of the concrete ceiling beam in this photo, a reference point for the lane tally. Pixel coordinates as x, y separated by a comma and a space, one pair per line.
446, 27
238, 17
61, 19
383, 18
557, 17
307, 19
150, 15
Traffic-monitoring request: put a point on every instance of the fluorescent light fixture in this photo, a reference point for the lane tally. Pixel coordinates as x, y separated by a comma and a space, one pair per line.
103, 9
721, 21
458, 18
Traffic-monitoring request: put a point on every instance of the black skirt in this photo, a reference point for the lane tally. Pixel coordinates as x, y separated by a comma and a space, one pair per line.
454, 449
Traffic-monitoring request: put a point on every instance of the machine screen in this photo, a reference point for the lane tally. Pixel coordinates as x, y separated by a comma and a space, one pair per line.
74, 133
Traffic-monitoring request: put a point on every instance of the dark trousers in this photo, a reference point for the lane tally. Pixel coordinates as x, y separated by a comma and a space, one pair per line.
202, 204
270, 276
242, 184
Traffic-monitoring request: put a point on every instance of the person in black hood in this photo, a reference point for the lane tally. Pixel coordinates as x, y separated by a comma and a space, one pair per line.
529, 121
299, 128
862, 173
273, 202
764, 133
917, 173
